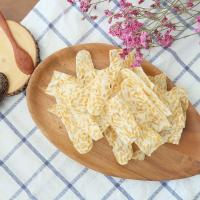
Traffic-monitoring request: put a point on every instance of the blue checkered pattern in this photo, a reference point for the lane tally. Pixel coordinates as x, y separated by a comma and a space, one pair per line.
32, 168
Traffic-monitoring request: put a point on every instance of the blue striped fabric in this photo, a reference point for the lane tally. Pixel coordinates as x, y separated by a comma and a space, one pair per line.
32, 168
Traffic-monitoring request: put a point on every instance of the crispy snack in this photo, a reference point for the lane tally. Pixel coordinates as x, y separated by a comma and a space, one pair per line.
117, 85
130, 58
81, 141
138, 155
122, 152
127, 73
183, 97
139, 71
102, 121
102, 86
79, 97
171, 136
84, 67
159, 80
121, 120
177, 101
121, 102
142, 118
177, 120
170, 99
87, 122
99, 94
71, 92
57, 80
66, 91
135, 96
149, 141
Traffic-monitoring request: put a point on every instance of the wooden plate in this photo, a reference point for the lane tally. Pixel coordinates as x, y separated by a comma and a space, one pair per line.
166, 163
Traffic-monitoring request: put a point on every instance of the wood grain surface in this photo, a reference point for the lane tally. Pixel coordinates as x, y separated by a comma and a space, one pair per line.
17, 80
22, 58
168, 162
16, 10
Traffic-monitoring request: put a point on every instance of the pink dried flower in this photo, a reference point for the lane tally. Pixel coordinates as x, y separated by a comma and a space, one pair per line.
117, 16
143, 37
164, 19
198, 19
93, 17
190, 5
148, 13
124, 53
176, 8
83, 18
155, 5
84, 6
124, 4
108, 13
197, 30
141, 1
182, 11
138, 59
110, 20
134, 12
166, 39
70, 1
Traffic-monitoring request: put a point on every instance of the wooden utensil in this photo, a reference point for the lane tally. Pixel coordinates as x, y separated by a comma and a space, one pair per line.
23, 59
168, 162
16, 78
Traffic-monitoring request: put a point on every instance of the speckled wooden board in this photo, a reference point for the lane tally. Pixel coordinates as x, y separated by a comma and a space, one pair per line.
168, 162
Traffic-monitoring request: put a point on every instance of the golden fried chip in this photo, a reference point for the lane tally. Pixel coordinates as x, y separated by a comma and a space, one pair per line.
142, 118
117, 85
127, 73
177, 120
72, 92
57, 80
149, 141
102, 121
171, 136
134, 96
55, 110
122, 120
82, 142
99, 94
170, 99
87, 122
113, 71
183, 96
66, 91
84, 67
129, 59
139, 71
159, 80
138, 155
122, 152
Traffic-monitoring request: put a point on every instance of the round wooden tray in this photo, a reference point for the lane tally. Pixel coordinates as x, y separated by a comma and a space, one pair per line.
17, 80
166, 163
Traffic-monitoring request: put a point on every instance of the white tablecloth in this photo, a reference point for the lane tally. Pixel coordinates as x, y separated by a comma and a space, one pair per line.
32, 168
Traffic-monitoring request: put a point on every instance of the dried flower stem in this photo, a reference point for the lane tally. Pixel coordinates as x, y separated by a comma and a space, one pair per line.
153, 33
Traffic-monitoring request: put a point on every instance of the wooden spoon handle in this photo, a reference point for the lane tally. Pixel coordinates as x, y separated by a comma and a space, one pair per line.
6, 29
